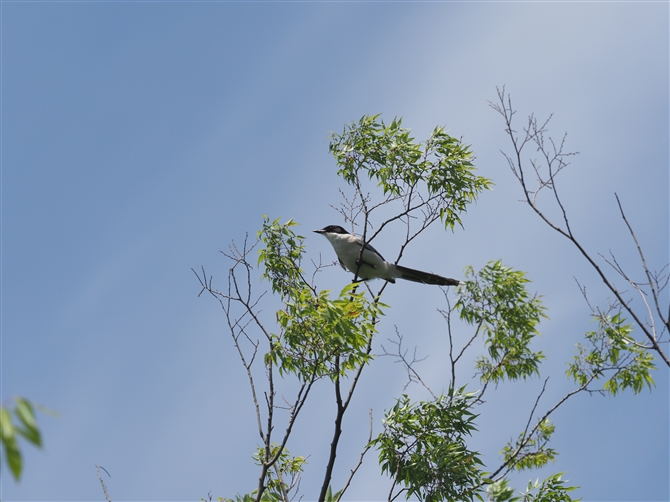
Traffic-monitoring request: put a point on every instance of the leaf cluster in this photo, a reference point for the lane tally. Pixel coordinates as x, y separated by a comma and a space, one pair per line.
18, 421
423, 446
496, 301
324, 337
531, 452
552, 489
284, 475
319, 336
611, 349
442, 165
281, 256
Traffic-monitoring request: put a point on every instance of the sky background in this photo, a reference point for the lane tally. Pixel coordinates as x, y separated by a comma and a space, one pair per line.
139, 139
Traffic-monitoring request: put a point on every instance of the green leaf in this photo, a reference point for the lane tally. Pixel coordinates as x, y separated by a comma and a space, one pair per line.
500, 491
332, 497
26, 415
12, 452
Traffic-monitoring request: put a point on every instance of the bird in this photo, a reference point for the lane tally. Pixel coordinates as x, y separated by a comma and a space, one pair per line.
371, 264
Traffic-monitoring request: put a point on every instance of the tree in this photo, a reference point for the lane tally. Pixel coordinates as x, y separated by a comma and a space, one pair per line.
395, 181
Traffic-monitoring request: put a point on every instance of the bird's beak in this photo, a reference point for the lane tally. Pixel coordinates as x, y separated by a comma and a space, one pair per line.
321, 231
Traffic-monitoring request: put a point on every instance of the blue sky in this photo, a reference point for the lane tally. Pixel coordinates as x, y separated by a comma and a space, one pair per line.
139, 139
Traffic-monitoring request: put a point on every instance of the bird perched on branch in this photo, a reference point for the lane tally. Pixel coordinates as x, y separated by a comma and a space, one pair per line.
371, 264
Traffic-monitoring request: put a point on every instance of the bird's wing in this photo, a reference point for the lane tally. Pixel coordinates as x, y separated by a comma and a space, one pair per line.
369, 247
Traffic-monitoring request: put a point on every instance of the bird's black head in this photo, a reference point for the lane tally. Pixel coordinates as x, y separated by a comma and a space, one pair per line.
332, 229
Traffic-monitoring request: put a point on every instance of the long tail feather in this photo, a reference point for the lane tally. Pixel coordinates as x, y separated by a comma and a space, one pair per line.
409, 274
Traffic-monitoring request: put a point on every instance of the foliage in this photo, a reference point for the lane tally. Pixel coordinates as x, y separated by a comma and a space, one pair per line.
552, 489
281, 257
18, 421
500, 491
285, 472
424, 447
387, 153
531, 452
612, 348
332, 497
248, 497
498, 303
319, 336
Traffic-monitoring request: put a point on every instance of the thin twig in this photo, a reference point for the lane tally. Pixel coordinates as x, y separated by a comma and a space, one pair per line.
104, 488
360, 460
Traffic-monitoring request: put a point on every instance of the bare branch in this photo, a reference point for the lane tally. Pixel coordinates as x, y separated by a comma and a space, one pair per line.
651, 281
401, 357
554, 161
